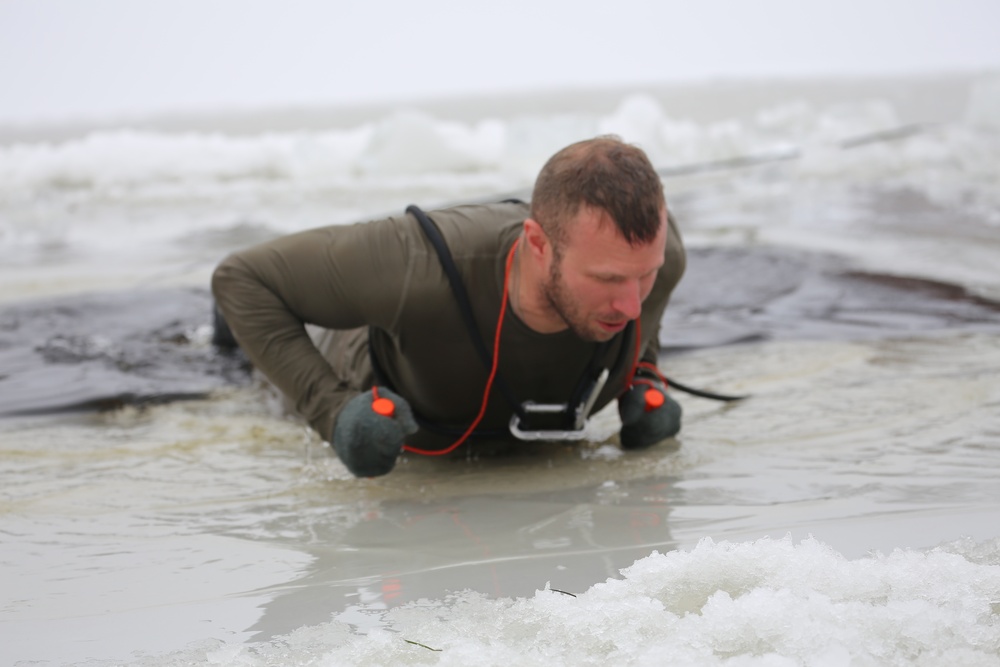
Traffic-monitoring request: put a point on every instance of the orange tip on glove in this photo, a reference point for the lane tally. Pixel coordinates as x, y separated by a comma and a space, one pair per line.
654, 399
384, 407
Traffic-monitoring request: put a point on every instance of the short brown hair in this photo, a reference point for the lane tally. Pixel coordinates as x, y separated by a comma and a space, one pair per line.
604, 173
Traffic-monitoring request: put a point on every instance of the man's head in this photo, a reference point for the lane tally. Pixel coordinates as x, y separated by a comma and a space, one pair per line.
603, 173
596, 236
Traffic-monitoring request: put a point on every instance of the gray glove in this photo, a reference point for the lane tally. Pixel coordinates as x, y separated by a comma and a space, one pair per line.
647, 421
368, 435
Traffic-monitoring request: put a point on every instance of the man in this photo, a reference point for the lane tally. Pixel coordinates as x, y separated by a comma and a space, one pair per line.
565, 298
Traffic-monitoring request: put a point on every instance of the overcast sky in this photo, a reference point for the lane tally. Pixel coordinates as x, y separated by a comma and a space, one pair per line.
66, 58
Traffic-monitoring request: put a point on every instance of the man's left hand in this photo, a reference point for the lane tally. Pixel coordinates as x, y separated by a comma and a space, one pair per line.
648, 414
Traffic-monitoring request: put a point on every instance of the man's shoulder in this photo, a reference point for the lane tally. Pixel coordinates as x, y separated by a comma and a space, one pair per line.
470, 231
493, 215
474, 228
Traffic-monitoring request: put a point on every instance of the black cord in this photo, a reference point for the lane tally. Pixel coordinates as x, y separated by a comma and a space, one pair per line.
704, 394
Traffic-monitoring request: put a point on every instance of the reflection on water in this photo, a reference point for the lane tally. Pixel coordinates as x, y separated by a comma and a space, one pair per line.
504, 546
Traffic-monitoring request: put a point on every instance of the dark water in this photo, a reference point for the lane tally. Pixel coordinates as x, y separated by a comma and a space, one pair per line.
103, 350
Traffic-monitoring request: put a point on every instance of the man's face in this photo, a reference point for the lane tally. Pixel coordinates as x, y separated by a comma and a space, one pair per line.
597, 280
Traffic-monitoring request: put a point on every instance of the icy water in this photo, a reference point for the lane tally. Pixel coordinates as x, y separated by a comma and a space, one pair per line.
159, 509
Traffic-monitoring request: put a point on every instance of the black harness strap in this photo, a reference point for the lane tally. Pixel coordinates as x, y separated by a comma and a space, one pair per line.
584, 387
725, 398
464, 304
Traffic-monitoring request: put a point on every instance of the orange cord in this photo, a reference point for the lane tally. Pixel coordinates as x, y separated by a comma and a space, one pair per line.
653, 396
493, 371
655, 370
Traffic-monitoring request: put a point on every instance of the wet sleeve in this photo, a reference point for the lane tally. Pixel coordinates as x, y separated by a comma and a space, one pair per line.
339, 277
675, 261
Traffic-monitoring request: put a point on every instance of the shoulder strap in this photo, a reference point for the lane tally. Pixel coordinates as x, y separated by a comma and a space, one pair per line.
462, 297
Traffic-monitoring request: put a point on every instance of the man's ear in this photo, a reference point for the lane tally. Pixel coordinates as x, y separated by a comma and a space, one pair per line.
538, 244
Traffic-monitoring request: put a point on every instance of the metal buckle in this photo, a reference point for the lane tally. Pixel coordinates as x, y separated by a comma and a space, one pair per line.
579, 422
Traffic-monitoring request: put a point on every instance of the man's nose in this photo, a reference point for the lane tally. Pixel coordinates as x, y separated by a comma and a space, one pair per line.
628, 300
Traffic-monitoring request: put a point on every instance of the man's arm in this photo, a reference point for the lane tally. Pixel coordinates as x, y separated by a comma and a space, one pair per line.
339, 277
675, 261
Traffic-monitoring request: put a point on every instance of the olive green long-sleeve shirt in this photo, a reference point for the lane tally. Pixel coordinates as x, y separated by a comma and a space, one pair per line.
386, 275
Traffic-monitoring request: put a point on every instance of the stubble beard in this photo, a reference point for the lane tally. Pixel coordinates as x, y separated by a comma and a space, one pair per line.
566, 307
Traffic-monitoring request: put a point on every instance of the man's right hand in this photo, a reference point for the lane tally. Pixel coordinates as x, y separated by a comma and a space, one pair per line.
368, 435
